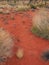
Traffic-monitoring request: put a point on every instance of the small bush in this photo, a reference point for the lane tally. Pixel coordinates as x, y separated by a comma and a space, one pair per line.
23, 7
41, 24
33, 6
6, 45
40, 5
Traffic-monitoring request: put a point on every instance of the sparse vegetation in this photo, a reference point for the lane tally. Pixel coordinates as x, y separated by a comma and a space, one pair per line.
23, 5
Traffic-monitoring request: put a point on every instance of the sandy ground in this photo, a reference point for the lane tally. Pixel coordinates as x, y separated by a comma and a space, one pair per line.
19, 27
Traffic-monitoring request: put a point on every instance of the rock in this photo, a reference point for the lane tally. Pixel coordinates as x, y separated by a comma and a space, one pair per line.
45, 55
20, 53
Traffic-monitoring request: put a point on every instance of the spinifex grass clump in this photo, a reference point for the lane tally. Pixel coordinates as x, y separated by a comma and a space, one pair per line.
6, 45
41, 23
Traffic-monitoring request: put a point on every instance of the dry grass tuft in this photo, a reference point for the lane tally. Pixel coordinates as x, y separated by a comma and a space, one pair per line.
6, 45
41, 23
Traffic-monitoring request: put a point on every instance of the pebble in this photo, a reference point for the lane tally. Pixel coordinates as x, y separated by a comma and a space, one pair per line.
20, 53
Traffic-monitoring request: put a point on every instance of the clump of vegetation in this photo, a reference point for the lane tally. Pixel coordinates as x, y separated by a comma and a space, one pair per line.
33, 6
41, 24
22, 7
41, 5
6, 45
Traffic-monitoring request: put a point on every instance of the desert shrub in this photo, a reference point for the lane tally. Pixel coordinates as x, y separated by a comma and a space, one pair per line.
6, 45
41, 23
23, 8
40, 5
33, 6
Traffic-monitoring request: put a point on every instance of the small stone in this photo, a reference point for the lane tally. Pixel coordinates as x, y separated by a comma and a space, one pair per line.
2, 59
46, 55
20, 53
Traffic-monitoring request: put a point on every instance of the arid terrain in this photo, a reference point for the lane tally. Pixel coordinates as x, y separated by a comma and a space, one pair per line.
17, 19
19, 25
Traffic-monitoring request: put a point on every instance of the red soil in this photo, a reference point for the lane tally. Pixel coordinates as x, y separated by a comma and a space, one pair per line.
20, 29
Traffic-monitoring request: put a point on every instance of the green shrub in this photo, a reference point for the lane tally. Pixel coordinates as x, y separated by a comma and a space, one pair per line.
33, 6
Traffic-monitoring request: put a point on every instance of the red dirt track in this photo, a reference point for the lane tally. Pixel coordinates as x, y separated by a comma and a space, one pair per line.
20, 29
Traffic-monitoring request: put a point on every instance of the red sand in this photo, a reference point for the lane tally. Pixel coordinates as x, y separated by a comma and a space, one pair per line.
20, 29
